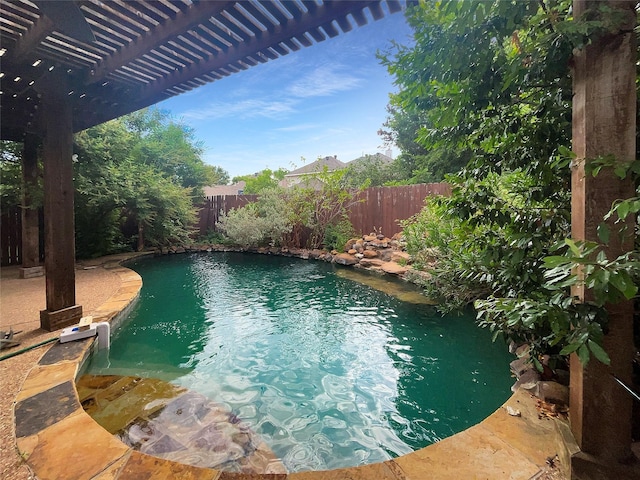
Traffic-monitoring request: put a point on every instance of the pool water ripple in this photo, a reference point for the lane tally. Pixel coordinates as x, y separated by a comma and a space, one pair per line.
329, 372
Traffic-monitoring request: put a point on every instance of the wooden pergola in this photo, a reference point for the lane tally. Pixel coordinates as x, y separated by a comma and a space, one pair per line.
69, 65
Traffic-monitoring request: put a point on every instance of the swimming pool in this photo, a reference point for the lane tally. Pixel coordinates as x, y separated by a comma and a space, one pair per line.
329, 372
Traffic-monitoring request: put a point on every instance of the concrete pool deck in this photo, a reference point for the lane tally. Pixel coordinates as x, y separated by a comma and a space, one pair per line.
56, 439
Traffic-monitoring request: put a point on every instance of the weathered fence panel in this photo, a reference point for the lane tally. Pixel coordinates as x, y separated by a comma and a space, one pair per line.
380, 209
11, 237
210, 211
376, 209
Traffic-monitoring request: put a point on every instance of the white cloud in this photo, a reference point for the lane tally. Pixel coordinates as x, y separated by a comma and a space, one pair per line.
250, 108
297, 127
323, 81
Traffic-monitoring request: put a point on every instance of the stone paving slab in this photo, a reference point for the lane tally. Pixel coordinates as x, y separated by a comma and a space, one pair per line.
472, 454
140, 466
74, 449
40, 411
69, 351
527, 433
378, 471
42, 378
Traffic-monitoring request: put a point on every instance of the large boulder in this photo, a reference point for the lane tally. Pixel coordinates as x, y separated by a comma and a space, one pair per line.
399, 257
394, 268
371, 262
345, 259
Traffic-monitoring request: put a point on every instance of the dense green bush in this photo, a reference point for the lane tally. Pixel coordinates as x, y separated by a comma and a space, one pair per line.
336, 235
136, 179
261, 223
490, 236
310, 215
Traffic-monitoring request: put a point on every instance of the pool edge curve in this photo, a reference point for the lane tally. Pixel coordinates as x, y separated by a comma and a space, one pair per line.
57, 439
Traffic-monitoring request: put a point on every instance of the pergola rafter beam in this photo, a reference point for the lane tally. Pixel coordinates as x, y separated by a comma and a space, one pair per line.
159, 36
293, 28
27, 43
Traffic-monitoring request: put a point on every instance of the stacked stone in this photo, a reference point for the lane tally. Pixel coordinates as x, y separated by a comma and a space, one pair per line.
374, 252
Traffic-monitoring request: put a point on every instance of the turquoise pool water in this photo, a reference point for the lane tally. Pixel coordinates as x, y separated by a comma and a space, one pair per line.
328, 371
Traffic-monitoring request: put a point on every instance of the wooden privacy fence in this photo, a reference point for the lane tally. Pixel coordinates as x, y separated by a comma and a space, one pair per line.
210, 211
376, 209
11, 237
381, 208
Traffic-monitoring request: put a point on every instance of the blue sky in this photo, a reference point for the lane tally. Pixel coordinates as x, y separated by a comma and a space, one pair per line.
327, 99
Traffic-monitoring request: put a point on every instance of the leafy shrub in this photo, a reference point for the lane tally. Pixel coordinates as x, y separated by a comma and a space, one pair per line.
336, 235
260, 223
212, 237
550, 318
489, 237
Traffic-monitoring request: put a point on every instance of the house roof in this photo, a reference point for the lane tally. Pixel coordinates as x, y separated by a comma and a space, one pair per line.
233, 189
110, 58
381, 157
332, 164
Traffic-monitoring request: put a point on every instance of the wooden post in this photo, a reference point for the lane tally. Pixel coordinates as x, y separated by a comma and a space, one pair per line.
30, 230
58, 207
604, 123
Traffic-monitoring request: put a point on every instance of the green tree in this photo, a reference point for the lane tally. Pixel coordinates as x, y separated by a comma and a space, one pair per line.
487, 81
216, 175
370, 171
10, 174
417, 163
491, 81
170, 147
267, 179
136, 180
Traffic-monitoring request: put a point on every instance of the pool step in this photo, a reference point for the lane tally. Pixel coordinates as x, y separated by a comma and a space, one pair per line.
171, 422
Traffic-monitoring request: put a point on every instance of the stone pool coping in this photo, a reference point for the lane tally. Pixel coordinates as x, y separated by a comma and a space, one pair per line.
58, 440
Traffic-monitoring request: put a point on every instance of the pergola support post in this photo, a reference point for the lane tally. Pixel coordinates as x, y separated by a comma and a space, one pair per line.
604, 123
59, 228
30, 230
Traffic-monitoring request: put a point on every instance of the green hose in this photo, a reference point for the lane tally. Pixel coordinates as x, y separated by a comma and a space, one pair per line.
26, 349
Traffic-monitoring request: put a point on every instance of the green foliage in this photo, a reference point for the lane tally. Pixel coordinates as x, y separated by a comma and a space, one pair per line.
260, 182
487, 82
551, 317
624, 207
136, 179
490, 82
337, 235
417, 163
312, 214
171, 148
327, 206
370, 171
261, 223
212, 237
216, 175
490, 236
10, 174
